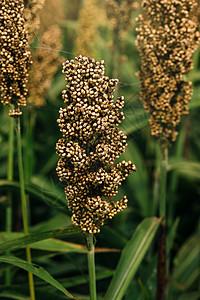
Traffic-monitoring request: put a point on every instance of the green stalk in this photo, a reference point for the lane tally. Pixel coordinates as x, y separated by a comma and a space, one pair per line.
154, 206
163, 181
24, 204
161, 264
91, 266
10, 178
29, 119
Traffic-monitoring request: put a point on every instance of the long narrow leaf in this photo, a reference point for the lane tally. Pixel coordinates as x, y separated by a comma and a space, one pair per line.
36, 270
13, 295
32, 238
51, 197
186, 270
131, 258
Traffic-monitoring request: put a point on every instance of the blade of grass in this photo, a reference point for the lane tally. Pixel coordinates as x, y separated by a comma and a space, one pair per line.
35, 237
52, 198
13, 295
186, 270
188, 169
36, 270
131, 258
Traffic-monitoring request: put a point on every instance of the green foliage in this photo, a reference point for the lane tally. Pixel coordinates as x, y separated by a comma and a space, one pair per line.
126, 248
131, 258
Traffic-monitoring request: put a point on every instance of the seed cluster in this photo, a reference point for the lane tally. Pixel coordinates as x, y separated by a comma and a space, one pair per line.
90, 144
119, 14
14, 56
87, 28
31, 10
45, 62
167, 37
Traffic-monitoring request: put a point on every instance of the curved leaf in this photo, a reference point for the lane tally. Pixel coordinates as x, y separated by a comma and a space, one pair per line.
51, 197
13, 295
131, 258
19, 242
188, 169
36, 270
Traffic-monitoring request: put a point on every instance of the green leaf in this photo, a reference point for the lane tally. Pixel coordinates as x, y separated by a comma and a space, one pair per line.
192, 296
60, 220
50, 196
58, 245
20, 242
78, 280
36, 270
188, 169
131, 258
13, 295
137, 182
186, 271
172, 234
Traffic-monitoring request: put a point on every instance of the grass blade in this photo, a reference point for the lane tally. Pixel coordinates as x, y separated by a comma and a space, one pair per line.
131, 258
32, 238
35, 270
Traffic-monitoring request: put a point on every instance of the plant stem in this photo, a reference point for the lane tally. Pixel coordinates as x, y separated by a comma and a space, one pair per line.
163, 181
24, 204
91, 266
161, 265
10, 177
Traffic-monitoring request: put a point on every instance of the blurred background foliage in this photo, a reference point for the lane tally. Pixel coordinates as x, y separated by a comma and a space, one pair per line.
87, 30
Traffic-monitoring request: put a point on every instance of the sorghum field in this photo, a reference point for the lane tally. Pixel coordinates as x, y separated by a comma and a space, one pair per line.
100, 149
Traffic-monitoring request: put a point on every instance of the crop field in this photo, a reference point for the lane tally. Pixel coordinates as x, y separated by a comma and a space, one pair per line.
100, 149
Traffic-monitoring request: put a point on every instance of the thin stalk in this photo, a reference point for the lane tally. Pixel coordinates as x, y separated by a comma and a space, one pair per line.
23, 203
161, 264
29, 119
154, 206
163, 181
91, 266
10, 178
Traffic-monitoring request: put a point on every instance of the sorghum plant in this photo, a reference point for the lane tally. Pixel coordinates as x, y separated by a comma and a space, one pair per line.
90, 143
14, 63
14, 55
167, 37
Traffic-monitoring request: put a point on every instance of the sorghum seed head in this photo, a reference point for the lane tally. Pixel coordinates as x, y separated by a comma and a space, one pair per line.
167, 37
90, 144
14, 55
